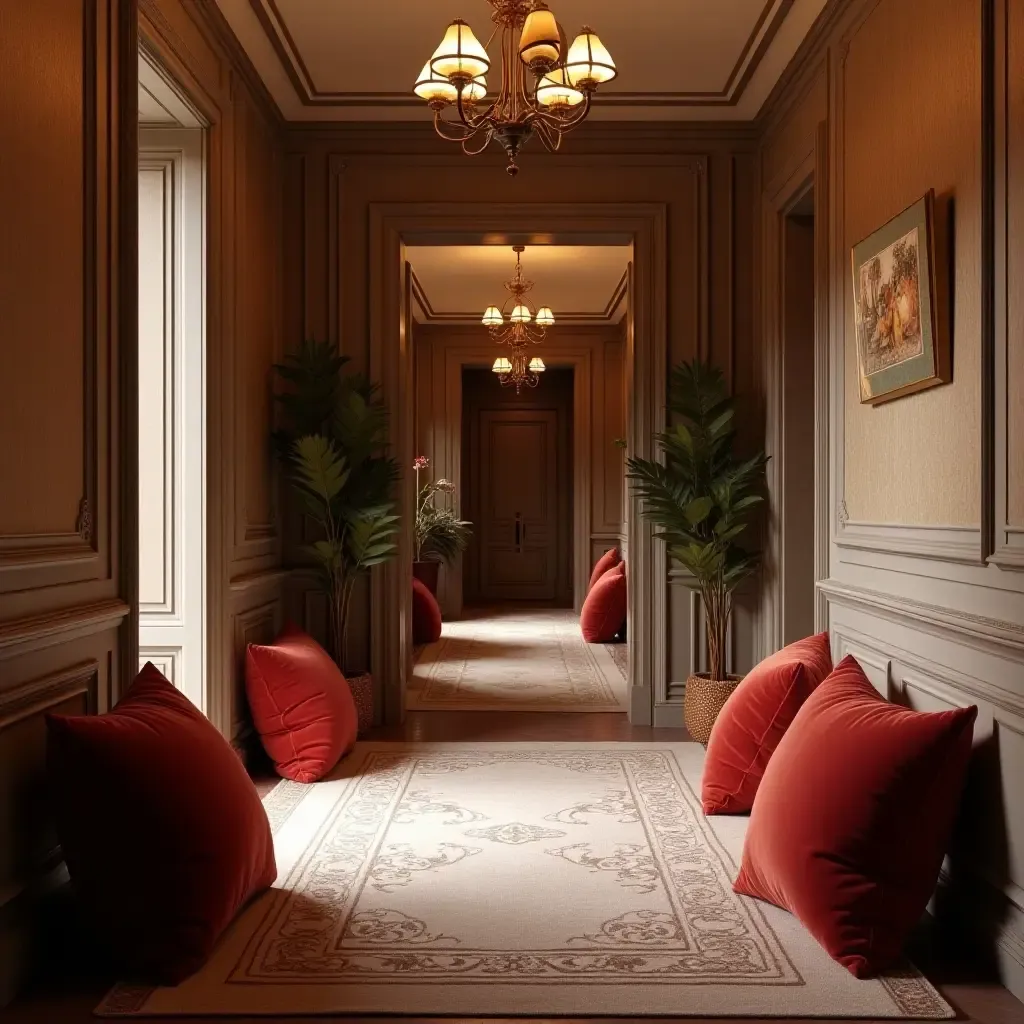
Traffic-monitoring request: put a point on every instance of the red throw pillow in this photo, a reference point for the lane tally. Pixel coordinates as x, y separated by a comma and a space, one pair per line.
301, 705
853, 817
426, 615
607, 561
604, 609
755, 716
163, 832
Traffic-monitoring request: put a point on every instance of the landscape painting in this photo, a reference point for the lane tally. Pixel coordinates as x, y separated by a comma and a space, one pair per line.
894, 290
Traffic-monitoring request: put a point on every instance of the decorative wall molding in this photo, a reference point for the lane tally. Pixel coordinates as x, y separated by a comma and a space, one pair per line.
986, 634
34, 632
941, 543
35, 696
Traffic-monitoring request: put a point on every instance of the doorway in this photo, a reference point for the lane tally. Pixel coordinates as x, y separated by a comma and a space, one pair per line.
172, 384
517, 478
642, 229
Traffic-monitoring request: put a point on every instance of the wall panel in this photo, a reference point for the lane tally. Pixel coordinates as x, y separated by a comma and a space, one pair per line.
920, 486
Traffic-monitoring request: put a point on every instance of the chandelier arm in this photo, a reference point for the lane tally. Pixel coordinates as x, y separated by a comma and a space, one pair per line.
444, 128
561, 125
474, 122
469, 150
550, 139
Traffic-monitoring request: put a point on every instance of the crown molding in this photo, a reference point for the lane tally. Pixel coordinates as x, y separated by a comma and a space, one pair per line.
607, 317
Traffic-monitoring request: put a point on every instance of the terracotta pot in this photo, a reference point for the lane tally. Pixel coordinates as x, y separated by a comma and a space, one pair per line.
362, 693
703, 699
426, 573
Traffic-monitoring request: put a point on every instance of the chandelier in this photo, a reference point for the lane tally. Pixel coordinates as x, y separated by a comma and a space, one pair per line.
525, 327
556, 101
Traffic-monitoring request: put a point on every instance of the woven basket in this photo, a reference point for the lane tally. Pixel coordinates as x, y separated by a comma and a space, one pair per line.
362, 693
703, 699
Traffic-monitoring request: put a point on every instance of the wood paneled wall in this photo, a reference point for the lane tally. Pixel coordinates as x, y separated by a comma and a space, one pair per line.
245, 314
924, 556
704, 175
67, 185
68, 422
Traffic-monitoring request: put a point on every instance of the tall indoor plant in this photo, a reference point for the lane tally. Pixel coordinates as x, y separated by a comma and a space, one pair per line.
700, 496
439, 534
333, 445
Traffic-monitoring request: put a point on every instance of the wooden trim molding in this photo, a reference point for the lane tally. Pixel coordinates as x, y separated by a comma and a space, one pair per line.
33, 632
762, 34
390, 227
611, 313
1001, 303
979, 631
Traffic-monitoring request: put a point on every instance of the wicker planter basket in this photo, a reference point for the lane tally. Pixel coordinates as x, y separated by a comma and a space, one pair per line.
362, 693
703, 699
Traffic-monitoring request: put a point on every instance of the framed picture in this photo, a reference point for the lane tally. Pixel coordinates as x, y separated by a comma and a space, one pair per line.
902, 342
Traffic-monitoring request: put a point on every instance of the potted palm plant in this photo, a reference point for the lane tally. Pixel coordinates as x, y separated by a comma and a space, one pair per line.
333, 445
700, 496
439, 534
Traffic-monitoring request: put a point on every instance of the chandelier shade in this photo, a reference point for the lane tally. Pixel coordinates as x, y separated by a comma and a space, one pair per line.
545, 90
492, 317
501, 365
589, 64
554, 91
460, 57
544, 317
537, 365
521, 314
540, 44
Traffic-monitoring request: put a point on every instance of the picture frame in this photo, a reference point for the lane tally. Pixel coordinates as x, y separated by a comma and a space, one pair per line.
903, 342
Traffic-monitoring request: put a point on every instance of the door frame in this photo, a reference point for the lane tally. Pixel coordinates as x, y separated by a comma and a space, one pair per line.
643, 226
778, 199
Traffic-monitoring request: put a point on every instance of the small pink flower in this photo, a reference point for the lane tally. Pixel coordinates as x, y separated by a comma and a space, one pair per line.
421, 462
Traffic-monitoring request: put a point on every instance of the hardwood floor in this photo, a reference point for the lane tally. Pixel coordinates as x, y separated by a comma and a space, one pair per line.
74, 982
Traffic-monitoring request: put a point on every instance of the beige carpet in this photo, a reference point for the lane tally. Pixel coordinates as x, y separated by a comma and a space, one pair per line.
531, 660
517, 878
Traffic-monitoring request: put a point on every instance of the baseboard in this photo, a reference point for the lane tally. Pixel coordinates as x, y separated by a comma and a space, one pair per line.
668, 716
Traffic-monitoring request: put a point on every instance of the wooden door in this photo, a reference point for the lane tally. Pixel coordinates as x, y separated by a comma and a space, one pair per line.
518, 506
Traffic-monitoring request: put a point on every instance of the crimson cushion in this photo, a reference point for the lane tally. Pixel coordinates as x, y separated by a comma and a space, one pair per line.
301, 705
853, 816
426, 615
608, 560
604, 609
753, 720
163, 832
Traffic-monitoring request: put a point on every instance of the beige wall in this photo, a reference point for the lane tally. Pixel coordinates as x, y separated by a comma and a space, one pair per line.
924, 518
916, 460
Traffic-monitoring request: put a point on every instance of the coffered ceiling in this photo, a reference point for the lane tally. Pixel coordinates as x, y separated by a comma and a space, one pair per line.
581, 283
677, 59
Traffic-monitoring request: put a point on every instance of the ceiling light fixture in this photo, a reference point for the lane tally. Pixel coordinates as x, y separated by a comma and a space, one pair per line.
525, 327
556, 101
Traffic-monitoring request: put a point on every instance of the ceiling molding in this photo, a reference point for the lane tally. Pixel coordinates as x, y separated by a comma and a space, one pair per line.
610, 315
756, 45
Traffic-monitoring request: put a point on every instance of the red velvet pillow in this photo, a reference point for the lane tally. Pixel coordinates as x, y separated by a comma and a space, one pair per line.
301, 705
607, 561
426, 615
604, 609
755, 716
163, 832
853, 817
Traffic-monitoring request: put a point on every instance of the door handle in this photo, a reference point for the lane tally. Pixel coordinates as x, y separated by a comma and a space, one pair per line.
520, 531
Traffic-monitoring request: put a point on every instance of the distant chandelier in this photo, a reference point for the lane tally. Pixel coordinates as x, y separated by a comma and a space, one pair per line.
525, 327
557, 100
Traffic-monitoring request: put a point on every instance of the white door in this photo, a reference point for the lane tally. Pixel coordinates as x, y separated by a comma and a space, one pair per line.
172, 406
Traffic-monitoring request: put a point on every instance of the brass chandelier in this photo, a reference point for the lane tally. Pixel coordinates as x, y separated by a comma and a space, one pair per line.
525, 327
565, 78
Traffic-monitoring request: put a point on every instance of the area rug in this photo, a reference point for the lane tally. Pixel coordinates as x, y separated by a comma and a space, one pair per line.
516, 878
531, 660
